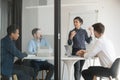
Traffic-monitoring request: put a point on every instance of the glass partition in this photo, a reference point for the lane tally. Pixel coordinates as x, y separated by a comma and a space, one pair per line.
38, 22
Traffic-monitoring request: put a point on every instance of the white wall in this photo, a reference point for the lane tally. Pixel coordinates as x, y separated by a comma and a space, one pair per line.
109, 11
108, 15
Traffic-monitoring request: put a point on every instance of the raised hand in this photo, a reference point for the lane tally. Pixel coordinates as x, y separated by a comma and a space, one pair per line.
72, 34
91, 30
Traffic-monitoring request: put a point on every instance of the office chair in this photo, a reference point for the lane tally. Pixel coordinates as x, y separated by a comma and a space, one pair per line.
110, 73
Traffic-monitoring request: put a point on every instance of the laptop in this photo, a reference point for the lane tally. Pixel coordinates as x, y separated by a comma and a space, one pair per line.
68, 50
44, 51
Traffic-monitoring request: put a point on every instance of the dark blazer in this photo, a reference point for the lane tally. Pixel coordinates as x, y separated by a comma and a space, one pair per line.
8, 52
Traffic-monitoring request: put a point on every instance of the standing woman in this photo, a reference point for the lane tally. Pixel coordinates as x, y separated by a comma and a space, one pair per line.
77, 38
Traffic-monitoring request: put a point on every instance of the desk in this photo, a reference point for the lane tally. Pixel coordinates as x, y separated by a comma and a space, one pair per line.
69, 61
37, 57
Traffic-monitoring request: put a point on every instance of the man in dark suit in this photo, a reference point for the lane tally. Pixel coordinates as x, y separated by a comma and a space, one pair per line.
8, 52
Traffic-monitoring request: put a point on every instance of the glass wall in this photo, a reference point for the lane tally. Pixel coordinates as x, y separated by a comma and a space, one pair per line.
39, 14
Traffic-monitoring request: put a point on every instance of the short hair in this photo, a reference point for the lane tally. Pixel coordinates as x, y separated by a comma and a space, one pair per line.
79, 19
99, 27
35, 30
12, 29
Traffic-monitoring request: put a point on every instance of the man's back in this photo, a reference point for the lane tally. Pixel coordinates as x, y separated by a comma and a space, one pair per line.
107, 52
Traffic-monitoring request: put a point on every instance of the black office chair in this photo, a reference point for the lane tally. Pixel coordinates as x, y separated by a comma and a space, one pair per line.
112, 72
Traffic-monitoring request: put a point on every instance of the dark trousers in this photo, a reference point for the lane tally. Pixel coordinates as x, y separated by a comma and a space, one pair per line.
77, 66
42, 65
89, 73
22, 72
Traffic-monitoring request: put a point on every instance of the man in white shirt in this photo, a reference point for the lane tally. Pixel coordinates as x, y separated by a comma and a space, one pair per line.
103, 49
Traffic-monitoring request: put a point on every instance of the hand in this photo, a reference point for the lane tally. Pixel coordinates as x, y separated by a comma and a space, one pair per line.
91, 30
72, 34
80, 53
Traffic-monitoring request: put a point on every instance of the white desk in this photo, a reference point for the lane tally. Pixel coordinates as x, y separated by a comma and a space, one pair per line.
69, 61
36, 57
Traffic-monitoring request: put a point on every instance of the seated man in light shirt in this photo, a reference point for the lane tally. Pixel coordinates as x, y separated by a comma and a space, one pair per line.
39, 65
103, 49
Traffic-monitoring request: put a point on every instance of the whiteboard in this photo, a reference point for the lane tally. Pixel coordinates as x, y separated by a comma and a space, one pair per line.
89, 17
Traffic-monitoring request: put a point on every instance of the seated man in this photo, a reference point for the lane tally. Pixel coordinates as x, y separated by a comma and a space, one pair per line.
8, 53
38, 65
103, 49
